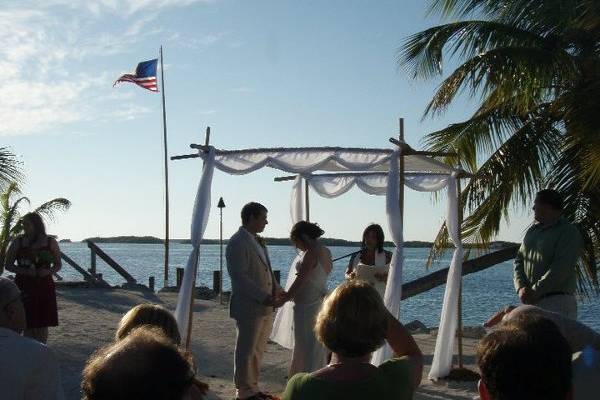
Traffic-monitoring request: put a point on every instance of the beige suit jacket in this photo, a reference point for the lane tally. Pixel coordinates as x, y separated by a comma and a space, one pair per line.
252, 279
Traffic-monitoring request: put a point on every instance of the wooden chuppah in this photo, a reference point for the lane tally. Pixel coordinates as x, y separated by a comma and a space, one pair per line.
294, 160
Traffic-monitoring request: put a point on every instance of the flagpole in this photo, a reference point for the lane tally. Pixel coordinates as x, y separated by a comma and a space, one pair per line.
164, 113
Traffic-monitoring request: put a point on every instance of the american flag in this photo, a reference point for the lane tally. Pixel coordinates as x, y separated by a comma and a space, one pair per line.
145, 75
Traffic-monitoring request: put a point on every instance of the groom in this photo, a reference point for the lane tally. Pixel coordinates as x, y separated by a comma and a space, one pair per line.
254, 295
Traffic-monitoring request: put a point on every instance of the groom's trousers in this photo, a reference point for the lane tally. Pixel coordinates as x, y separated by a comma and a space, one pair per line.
252, 334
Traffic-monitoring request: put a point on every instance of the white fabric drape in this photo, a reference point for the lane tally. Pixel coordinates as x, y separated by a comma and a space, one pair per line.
297, 203
199, 221
334, 185
393, 289
309, 159
444, 344
283, 325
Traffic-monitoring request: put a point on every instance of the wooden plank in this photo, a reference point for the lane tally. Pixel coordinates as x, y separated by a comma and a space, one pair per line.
106, 258
409, 151
439, 278
185, 156
87, 276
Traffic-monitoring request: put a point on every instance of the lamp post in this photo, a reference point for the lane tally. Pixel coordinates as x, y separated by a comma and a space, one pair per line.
221, 206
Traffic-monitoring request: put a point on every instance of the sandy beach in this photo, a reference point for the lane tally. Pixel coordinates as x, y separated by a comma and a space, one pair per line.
88, 319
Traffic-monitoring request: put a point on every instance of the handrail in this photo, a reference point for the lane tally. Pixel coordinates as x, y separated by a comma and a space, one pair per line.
471, 266
107, 259
86, 275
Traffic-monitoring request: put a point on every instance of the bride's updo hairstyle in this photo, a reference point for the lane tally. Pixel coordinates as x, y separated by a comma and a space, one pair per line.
352, 321
304, 230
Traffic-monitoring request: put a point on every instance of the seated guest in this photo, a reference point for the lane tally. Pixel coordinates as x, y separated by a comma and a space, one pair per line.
526, 358
583, 340
155, 316
28, 369
372, 262
578, 335
145, 365
353, 323
152, 315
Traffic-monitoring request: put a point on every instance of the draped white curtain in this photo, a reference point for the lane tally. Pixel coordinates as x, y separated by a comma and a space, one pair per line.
444, 344
297, 203
309, 159
283, 325
393, 288
299, 161
199, 220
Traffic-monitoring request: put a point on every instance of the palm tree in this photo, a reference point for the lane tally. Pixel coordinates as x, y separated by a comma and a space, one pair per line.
11, 221
533, 68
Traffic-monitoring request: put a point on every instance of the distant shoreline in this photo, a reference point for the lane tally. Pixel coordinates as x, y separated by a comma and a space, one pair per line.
269, 241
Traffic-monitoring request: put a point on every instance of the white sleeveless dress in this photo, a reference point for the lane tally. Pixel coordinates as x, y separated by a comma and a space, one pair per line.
367, 272
309, 355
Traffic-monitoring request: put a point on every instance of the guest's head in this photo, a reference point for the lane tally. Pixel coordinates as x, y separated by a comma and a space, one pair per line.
304, 233
254, 217
373, 238
144, 365
547, 206
151, 315
353, 320
33, 225
12, 311
525, 358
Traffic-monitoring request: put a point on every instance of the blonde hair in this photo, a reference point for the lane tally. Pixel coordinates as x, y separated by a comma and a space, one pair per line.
353, 320
152, 315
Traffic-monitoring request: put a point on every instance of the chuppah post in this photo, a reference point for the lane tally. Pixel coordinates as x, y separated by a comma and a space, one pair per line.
401, 165
197, 257
460, 322
306, 200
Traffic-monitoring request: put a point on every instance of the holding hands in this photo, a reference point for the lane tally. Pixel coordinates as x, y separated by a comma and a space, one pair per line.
280, 298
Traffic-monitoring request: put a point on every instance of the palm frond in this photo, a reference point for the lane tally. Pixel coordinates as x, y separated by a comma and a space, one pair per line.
483, 133
510, 176
525, 76
423, 52
49, 208
542, 17
581, 206
10, 170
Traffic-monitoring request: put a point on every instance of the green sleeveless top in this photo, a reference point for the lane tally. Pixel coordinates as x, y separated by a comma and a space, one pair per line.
391, 381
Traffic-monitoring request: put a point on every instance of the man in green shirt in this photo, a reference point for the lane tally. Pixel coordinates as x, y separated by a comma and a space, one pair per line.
545, 266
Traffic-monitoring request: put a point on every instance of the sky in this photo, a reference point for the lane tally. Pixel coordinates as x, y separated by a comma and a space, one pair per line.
260, 73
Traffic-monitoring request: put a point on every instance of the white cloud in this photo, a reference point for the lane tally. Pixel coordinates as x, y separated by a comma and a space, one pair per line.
115, 7
46, 43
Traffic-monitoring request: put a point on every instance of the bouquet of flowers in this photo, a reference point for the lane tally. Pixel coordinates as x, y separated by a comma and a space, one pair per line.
44, 258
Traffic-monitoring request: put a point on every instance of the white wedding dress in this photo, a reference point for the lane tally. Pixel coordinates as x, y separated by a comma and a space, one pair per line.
309, 355
367, 272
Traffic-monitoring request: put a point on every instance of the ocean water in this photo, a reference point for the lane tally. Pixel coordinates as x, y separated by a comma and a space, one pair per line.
483, 293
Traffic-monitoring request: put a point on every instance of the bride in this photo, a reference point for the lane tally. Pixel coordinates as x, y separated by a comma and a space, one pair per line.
313, 267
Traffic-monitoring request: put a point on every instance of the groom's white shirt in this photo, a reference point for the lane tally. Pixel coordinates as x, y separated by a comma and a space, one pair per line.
251, 276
